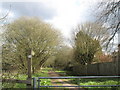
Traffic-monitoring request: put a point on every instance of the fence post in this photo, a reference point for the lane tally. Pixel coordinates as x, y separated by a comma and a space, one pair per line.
118, 61
34, 82
29, 62
118, 52
39, 83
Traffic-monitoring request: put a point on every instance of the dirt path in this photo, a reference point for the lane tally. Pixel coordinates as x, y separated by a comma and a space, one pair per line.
62, 82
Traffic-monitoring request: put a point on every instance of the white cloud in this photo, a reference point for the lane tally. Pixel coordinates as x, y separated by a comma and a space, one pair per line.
11, 14
70, 13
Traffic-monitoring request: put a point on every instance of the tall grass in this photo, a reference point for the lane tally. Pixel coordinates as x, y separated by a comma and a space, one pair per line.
42, 73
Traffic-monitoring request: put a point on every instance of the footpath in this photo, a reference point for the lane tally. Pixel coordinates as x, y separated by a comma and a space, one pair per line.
62, 82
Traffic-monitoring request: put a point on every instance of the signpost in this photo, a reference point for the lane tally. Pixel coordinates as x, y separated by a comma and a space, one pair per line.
31, 53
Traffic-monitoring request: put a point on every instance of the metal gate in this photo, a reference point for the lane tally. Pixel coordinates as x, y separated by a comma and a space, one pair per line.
36, 81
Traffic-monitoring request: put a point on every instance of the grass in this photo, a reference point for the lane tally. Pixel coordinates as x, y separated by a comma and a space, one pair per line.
93, 81
96, 82
42, 73
61, 72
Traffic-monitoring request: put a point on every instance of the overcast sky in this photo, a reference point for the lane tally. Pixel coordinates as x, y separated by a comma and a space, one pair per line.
62, 14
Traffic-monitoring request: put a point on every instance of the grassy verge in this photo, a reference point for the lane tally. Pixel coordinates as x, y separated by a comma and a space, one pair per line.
61, 72
96, 82
92, 81
42, 73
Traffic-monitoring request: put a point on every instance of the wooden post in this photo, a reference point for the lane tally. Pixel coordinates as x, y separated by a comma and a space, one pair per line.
118, 51
118, 61
29, 61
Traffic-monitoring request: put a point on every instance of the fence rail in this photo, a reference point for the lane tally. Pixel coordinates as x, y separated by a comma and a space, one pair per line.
79, 77
35, 81
15, 81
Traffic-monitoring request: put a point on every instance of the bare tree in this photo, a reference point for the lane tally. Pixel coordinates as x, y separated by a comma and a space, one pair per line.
110, 16
5, 16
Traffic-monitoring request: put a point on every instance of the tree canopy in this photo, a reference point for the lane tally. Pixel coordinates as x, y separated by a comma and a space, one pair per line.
85, 48
88, 40
26, 34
